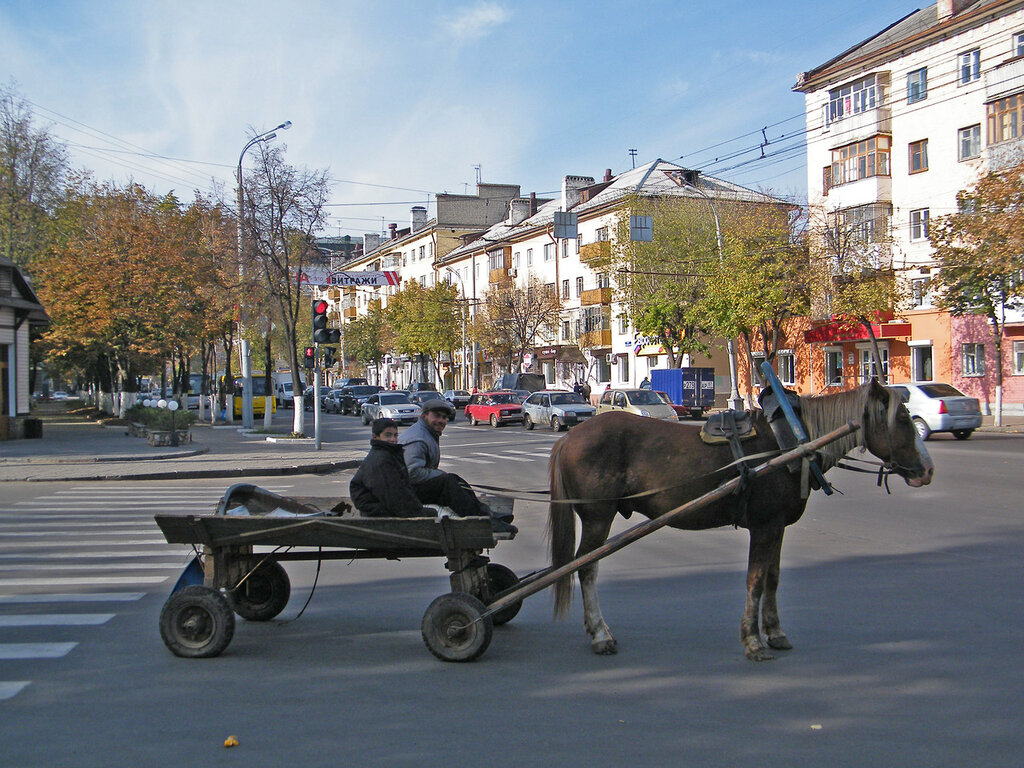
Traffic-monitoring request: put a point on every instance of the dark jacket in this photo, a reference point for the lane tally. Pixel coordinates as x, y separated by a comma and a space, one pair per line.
381, 487
422, 452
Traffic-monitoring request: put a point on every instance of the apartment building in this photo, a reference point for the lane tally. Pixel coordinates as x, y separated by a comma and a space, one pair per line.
896, 126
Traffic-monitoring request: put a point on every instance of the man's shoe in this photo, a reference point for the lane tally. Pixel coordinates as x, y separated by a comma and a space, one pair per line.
501, 526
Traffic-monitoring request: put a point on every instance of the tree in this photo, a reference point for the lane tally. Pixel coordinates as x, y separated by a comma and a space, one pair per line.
513, 319
282, 209
369, 338
427, 322
980, 255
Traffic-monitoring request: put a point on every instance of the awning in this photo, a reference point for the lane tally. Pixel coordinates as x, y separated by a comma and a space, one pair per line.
838, 332
648, 350
563, 353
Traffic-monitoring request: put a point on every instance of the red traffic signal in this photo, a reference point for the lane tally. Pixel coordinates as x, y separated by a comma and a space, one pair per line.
320, 333
309, 358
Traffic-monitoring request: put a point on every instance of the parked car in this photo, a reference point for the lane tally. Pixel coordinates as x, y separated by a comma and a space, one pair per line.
350, 382
940, 408
307, 397
283, 393
495, 407
522, 394
332, 401
642, 402
352, 398
390, 405
682, 411
423, 395
60, 395
558, 410
457, 397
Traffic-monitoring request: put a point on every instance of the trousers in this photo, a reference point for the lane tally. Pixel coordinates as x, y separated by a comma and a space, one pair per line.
452, 491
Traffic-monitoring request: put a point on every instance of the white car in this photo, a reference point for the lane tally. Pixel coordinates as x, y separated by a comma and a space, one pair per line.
390, 405
940, 407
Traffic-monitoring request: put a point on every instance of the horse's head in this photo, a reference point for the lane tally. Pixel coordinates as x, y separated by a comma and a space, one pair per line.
890, 435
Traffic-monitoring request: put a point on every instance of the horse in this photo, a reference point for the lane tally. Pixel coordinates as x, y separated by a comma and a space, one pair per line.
620, 463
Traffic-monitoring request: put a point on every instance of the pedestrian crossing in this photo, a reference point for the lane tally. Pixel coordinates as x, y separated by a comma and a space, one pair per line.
71, 558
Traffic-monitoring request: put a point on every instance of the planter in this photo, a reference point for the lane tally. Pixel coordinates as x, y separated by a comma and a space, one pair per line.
135, 429
162, 437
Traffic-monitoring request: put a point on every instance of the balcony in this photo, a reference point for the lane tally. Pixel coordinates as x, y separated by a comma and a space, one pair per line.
498, 275
595, 339
596, 296
599, 251
1004, 80
350, 312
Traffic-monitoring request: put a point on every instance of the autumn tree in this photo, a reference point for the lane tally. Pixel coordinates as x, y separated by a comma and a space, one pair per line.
514, 319
368, 339
427, 322
979, 251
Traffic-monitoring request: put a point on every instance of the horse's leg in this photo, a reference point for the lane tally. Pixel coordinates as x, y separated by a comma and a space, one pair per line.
594, 533
765, 543
769, 605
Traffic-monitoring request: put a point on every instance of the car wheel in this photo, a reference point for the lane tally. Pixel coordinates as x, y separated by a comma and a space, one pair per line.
922, 429
366, 421
527, 422
472, 420
555, 424
962, 434
494, 420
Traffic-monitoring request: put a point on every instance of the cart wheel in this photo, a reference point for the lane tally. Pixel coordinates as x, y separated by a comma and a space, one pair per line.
453, 630
263, 595
197, 622
500, 578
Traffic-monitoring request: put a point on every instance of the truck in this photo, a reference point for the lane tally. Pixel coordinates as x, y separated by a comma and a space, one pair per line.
691, 388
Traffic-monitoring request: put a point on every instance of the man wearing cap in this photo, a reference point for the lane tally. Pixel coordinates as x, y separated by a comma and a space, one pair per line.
422, 443
381, 487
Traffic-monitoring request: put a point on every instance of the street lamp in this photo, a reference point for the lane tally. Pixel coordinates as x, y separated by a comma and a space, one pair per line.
243, 346
734, 396
463, 370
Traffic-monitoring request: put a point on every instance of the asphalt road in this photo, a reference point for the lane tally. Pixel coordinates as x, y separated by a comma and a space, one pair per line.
902, 609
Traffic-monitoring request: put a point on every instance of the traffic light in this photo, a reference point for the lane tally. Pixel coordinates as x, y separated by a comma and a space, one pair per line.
309, 358
320, 333
329, 359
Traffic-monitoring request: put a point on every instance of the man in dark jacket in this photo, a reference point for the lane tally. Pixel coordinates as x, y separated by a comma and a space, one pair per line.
381, 487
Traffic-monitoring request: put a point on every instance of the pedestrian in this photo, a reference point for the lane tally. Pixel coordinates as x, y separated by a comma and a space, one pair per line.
422, 443
646, 383
381, 486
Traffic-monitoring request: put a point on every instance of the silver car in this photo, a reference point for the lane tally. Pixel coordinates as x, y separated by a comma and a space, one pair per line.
390, 405
940, 408
556, 409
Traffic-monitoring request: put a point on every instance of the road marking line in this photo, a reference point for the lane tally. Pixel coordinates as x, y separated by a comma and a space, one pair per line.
87, 597
67, 581
11, 688
84, 555
503, 458
54, 619
80, 534
84, 524
35, 650
65, 544
91, 566
463, 458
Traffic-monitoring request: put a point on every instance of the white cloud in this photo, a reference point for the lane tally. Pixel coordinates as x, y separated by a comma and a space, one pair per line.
473, 23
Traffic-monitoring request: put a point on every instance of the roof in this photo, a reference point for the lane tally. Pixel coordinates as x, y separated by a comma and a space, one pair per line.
23, 299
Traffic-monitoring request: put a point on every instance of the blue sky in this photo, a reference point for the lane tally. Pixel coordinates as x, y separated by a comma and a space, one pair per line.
401, 99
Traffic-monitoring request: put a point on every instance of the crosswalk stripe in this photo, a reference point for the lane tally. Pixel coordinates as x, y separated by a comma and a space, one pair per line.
67, 581
81, 534
35, 650
465, 458
65, 544
70, 597
141, 524
85, 555
54, 619
503, 458
11, 688
91, 566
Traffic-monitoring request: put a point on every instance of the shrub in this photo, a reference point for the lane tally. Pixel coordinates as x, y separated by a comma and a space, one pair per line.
160, 418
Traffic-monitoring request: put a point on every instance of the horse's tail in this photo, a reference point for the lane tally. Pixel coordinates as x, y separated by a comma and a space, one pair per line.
561, 530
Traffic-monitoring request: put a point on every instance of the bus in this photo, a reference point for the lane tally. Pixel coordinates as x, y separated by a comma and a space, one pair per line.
259, 393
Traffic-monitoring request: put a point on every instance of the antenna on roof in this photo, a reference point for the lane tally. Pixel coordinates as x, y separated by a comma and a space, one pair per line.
632, 154
479, 176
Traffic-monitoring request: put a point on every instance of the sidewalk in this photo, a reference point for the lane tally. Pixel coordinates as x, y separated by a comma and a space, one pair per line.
76, 448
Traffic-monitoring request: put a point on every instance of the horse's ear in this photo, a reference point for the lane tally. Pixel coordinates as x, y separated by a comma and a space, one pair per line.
879, 391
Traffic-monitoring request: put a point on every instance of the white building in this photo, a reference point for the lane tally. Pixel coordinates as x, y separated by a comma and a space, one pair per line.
19, 309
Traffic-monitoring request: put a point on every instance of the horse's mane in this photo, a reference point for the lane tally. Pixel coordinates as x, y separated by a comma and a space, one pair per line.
824, 413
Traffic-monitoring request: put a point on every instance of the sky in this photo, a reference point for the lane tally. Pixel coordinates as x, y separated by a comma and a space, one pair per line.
401, 100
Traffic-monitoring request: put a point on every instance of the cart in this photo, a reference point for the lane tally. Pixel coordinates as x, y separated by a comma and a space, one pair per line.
198, 620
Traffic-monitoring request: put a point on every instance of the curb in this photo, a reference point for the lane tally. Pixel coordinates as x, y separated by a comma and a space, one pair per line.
28, 462
299, 469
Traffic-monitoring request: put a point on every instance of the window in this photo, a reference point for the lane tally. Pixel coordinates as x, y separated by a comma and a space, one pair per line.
529, 257
921, 363
623, 324
970, 141
604, 370
566, 331
603, 281
515, 260
917, 85
1018, 358
973, 357
868, 368
856, 97
787, 368
833, 367
565, 288
1018, 44
1005, 118
496, 259
549, 251
970, 66
919, 224
624, 368
919, 291
579, 242
579, 287
919, 156
859, 160
755, 368
423, 252
565, 248
601, 235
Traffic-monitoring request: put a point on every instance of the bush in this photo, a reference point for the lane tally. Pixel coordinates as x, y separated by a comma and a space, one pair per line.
160, 418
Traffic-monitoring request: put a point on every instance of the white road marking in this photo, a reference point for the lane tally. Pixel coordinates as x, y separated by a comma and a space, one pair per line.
68, 597
11, 688
67, 581
35, 650
54, 619
65, 544
42, 524
505, 457
86, 555
81, 534
463, 458
91, 566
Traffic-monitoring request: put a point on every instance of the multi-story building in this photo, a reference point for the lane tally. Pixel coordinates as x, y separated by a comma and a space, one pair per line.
896, 126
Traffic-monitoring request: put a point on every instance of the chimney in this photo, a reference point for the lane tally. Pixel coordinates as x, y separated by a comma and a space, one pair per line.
571, 186
607, 174
371, 242
519, 210
533, 203
393, 230
418, 218
945, 9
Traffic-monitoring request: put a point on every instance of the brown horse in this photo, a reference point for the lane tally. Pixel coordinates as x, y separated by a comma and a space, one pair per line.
616, 456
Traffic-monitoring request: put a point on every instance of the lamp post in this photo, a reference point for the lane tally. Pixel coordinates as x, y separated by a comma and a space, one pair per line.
734, 395
243, 346
463, 369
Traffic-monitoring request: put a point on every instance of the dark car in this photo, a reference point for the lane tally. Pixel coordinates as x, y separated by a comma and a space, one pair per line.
332, 401
307, 397
457, 397
422, 396
352, 398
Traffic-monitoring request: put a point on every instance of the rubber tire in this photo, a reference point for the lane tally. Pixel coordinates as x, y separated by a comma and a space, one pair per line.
494, 421
696, 414
366, 421
922, 429
500, 578
556, 426
197, 623
264, 594
453, 630
527, 422
472, 420
962, 434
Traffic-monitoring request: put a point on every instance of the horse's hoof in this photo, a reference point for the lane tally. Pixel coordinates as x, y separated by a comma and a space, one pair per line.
605, 647
780, 643
759, 654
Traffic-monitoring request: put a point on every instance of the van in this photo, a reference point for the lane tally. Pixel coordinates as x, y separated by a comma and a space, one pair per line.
534, 382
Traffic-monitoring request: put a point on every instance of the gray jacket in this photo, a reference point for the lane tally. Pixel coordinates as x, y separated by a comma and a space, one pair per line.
422, 452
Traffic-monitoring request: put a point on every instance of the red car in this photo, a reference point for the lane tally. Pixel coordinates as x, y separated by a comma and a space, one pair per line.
681, 410
495, 407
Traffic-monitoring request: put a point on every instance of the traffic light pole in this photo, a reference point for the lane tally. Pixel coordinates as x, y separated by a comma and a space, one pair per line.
316, 398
